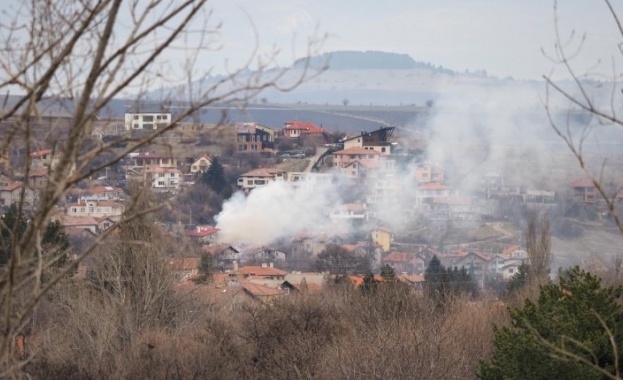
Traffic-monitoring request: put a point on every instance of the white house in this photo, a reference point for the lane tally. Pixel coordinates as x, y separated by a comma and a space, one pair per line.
201, 164
260, 177
163, 178
97, 209
157, 120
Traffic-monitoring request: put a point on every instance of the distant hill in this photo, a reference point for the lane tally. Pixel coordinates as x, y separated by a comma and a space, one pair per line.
367, 60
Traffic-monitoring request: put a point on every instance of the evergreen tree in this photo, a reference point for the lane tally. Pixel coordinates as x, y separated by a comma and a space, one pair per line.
388, 273
12, 227
566, 334
214, 177
205, 268
369, 283
518, 280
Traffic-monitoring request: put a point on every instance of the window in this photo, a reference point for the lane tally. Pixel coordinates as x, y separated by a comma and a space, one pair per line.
159, 117
136, 126
160, 183
383, 150
161, 175
73, 209
149, 118
90, 209
135, 117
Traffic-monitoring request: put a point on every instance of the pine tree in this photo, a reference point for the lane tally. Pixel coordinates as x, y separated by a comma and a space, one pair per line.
388, 273
369, 283
566, 334
214, 177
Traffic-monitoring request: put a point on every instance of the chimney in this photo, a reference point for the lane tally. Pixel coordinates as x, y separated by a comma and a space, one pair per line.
271, 264
264, 265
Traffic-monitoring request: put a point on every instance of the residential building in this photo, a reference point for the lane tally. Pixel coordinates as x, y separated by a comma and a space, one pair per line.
201, 164
405, 262
164, 159
12, 194
426, 192
583, 190
342, 158
428, 172
454, 208
97, 209
264, 271
204, 234
377, 140
382, 236
184, 268
97, 193
349, 211
160, 178
301, 128
260, 177
254, 138
38, 178
224, 257
147, 120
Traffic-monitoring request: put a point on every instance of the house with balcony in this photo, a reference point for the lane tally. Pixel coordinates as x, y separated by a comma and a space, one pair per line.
427, 192
260, 177
378, 140
297, 128
583, 190
254, 138
343, 158
164, 159
428, 172
160, 178
147, 120
97, 209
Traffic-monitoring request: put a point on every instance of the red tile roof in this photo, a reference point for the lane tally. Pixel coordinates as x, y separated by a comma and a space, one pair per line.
184, 263
303, 126
12, 186
258, 270
582, 182
258, 290
510, 249
398, 257
40, 153
202, 231
216, 249
411, 278
38, 172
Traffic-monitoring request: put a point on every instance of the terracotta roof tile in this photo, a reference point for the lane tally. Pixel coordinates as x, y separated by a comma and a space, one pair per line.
303, 126
258, 270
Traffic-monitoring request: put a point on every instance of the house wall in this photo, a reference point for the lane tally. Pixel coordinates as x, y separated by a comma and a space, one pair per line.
149, 121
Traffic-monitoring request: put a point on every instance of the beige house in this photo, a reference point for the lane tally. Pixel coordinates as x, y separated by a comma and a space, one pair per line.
12, 194
260, 177
428, 172
201, 164
377, 141
97, 209
343, 158
143, 159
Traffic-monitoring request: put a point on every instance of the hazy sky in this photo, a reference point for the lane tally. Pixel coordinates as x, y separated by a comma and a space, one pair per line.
504, 37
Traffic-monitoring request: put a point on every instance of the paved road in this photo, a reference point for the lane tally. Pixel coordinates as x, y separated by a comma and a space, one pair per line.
312, 160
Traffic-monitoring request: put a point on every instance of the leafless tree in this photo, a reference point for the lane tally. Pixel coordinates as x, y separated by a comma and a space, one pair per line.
72, 57
583, 102
538, 246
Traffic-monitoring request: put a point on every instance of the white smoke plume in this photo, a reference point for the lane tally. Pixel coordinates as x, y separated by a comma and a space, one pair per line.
277, 210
